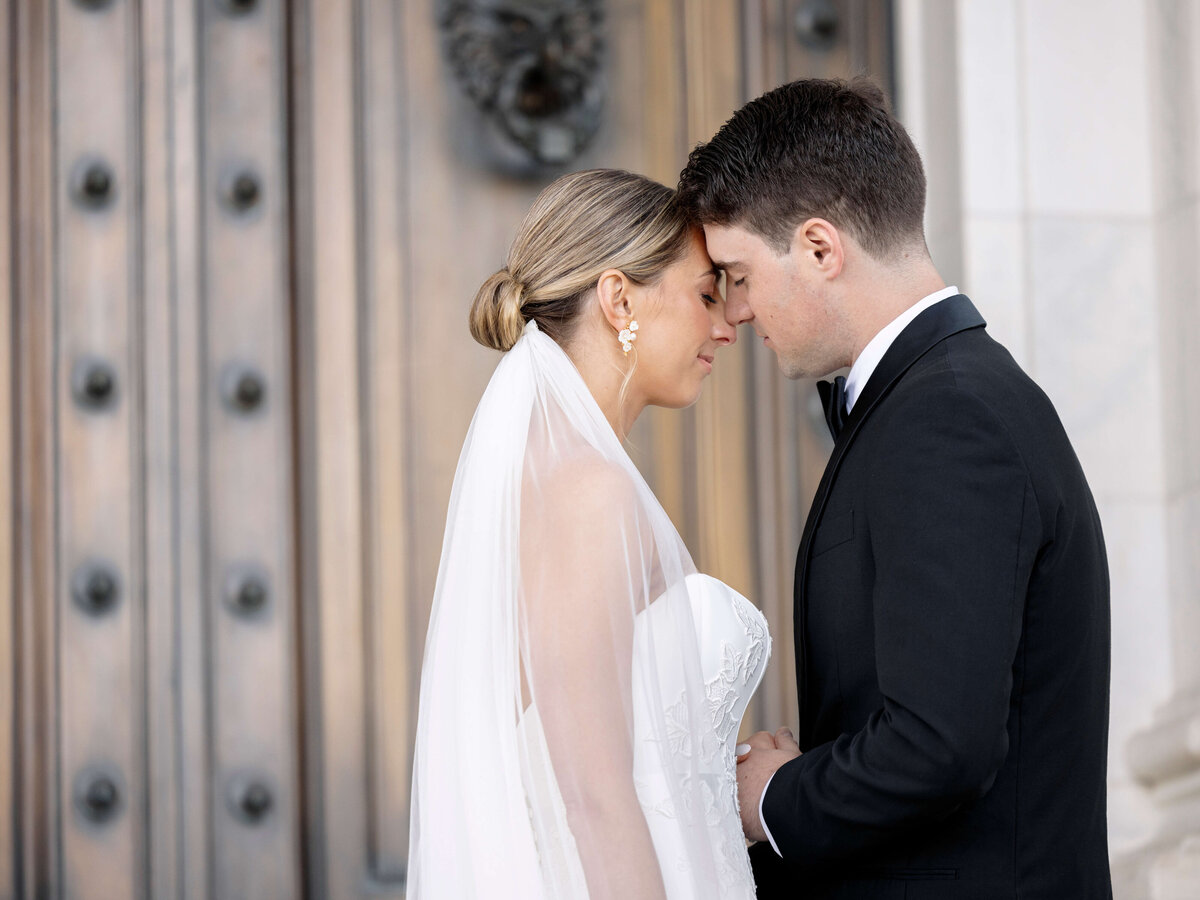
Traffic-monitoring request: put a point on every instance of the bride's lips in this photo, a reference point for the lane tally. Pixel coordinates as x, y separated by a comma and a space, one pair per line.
707, 360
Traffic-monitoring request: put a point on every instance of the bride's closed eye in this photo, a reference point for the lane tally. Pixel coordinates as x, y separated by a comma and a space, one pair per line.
709, 298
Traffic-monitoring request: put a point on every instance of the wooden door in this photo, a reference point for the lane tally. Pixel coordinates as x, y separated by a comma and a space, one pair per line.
242, 238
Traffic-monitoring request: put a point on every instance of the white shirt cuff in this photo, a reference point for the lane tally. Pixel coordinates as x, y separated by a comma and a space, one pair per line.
762, 821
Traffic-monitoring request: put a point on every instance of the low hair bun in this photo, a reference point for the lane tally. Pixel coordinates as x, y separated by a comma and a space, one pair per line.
580, 225
496, 320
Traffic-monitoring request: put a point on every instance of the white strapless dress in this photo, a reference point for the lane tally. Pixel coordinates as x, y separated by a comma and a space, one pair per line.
734, 645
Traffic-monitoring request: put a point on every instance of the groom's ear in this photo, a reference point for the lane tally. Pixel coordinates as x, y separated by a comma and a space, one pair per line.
613, 290
818, 244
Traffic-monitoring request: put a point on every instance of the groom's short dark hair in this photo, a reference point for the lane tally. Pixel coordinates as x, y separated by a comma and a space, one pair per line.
811, 148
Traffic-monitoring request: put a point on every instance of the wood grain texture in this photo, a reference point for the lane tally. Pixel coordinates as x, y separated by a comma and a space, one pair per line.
191, 636
330, 292
8, 385
789, 444
38, 845
100, 662
158, 315
248, 463
660, 443
361, 324
721, 432
346, 287
391, 328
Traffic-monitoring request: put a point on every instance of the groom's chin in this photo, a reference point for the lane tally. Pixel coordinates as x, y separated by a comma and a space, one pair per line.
791, 368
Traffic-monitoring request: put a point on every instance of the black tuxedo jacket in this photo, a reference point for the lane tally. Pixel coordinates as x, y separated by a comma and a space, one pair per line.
952, 638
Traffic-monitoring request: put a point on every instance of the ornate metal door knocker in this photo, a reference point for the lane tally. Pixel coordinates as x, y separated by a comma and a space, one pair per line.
533, 67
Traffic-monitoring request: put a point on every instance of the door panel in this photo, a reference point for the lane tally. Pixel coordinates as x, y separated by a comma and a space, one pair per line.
244, 238
248, 450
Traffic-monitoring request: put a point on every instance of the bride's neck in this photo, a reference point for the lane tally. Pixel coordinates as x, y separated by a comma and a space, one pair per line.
604, 379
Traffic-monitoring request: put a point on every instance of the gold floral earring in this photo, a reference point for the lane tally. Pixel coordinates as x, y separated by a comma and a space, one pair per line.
628, 335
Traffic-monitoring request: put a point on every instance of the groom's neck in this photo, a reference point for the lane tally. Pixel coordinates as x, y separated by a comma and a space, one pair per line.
882, 290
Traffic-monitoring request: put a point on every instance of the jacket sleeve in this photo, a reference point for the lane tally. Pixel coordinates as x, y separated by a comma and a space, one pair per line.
952, 525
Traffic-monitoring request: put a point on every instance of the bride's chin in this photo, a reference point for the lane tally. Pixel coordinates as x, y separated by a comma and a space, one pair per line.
696, 393
681, 397
676, 402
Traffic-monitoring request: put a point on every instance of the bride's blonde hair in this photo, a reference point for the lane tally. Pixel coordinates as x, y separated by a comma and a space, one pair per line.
580, 225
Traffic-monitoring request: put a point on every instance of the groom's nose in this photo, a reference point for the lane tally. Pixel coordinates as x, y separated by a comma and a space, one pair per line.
737, 310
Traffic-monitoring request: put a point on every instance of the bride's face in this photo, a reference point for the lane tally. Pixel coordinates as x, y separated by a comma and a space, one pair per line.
681, 324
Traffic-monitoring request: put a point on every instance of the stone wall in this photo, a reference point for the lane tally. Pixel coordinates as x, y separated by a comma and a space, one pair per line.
1066, 155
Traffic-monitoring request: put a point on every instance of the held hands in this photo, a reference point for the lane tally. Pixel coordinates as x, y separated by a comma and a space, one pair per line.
756, 763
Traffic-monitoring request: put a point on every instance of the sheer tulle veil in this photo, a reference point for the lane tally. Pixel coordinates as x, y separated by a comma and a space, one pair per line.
554, 549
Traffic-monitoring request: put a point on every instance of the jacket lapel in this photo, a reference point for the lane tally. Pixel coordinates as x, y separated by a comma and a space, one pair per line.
950, 316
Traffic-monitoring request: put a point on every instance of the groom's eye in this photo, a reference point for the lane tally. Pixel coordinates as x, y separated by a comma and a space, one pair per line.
740, 281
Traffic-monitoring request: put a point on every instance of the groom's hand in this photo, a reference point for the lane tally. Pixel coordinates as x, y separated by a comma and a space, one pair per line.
754, 768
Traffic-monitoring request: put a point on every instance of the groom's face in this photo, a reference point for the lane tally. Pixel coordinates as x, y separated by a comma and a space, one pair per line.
779, 296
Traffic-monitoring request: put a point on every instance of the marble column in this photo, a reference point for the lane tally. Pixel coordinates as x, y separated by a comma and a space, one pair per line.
1164, 756
1078, 169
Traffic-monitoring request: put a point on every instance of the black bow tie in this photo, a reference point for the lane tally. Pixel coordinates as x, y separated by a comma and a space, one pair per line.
833, 398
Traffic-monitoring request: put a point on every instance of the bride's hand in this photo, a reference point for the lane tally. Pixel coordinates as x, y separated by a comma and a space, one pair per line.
766, 753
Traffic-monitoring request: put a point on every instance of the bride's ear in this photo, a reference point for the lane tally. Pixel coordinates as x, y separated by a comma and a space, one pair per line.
613, 294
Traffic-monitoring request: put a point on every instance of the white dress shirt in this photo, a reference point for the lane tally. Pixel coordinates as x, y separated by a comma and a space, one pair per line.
860, 374
861, 371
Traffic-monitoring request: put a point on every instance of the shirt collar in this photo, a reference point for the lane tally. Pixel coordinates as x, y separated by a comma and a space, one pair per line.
861, 371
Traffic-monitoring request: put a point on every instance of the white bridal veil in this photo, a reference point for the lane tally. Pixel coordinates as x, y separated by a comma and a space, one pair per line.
555, 548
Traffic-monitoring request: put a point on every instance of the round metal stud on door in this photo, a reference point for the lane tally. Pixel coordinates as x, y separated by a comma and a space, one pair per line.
98, 794
247, 589
817, 23
239, 7
94, 383
95, 588
250, 799
243, 389
241, 192
93, 184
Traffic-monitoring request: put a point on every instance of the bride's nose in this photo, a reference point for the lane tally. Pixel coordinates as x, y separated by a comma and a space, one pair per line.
722, 332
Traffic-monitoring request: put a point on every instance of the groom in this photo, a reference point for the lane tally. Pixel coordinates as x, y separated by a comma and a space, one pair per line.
951, 595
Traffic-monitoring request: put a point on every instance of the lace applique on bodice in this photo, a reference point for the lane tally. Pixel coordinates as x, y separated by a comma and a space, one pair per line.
733, 645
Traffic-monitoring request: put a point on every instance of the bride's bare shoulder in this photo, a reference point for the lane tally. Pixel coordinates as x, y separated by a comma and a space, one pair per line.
584, 480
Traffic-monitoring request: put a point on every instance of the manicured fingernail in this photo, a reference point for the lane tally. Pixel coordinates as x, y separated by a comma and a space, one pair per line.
742, 749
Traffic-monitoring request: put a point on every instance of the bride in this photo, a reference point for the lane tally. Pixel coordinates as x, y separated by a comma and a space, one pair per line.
582, 685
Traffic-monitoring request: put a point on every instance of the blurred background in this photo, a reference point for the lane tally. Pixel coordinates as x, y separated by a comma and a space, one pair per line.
240, 241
